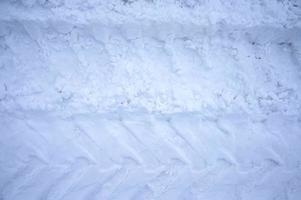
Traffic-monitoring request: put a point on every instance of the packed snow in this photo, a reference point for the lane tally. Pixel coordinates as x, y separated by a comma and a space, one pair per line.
150, 99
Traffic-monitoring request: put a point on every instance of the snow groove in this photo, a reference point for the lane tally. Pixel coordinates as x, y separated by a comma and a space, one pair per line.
149, 156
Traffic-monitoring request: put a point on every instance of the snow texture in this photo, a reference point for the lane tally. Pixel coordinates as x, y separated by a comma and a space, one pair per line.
150, 99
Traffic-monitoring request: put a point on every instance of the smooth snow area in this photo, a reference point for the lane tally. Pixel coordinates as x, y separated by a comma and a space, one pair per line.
150, 99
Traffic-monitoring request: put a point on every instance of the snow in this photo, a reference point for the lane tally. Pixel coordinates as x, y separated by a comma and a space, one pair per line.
150, 99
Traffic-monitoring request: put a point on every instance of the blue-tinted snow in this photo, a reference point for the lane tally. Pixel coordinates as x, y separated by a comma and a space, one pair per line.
150, 99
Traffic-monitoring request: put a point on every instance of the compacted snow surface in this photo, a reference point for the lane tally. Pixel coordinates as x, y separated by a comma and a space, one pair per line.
150, 99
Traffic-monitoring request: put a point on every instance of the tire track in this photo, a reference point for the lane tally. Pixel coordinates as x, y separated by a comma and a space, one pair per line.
91, 171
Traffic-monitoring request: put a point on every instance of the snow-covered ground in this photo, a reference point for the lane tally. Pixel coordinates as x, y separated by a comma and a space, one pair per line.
150, 99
